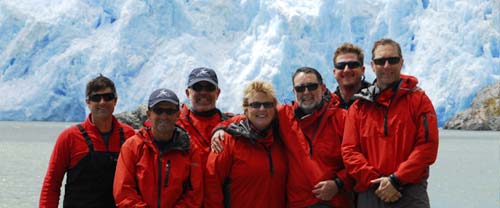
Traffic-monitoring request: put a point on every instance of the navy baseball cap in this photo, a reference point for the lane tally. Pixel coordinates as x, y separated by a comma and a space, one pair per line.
162, 94
202, 74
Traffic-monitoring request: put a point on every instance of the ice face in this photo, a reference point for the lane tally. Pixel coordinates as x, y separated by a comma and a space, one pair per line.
49, 49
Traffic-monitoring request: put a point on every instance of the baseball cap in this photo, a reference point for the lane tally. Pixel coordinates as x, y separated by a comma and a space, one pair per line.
162, 94
202, 74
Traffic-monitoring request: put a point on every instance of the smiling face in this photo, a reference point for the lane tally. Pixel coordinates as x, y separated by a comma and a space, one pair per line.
102, 109
162, 124
348, 77
308, 99
386, 73
259, 114
201, 98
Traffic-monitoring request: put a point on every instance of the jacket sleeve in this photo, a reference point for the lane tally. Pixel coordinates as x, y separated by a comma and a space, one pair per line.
193, 197
342, 174
354, 160
217, 170
125, 188
58, 164
426, 146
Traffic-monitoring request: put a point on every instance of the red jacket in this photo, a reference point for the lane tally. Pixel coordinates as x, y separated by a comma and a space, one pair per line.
391, 132
144, 178
313, 146
200, 129
248, 173
69, 148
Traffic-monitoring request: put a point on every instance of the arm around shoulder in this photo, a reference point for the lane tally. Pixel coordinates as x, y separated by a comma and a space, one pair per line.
216, 172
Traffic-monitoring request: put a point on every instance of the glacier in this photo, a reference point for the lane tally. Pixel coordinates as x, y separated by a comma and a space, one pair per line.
49, 49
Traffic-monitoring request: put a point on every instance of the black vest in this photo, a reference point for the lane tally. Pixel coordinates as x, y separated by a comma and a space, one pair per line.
90, 182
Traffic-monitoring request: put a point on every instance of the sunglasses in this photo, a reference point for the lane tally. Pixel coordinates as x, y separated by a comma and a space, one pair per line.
309, 86
350, 64
106, 96
391, 60
168, 111
258, 105
198, 87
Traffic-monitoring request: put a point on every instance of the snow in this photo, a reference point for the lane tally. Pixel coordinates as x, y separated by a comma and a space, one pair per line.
49, 49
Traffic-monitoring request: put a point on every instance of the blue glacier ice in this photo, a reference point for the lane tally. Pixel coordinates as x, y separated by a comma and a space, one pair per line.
49, 49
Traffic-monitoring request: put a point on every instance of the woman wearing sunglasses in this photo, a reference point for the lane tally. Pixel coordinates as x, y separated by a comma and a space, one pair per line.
311, 129
252, 169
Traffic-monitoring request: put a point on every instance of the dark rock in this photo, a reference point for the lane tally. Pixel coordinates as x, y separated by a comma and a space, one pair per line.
134, 118
484, 113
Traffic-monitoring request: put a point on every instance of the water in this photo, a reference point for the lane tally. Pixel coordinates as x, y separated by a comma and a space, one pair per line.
25, 152
467, 171
466, 174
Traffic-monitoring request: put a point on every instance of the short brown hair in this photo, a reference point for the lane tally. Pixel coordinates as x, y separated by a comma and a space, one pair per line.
307, 70
99, 83
349, 48
258, 86
387, 41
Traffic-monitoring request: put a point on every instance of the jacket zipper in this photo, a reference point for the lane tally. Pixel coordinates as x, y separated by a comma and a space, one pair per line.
386, 133
310, 140
167, 173
310, 146
270, 158
386, 129
159, 180
426, 127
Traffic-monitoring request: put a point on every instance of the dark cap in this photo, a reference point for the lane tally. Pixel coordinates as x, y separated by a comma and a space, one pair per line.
162, 94
202, 74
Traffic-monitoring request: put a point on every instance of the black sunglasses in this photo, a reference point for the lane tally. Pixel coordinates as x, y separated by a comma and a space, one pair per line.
168, 111
309, 86
392, 60
199, 87
350, 64
97, 97
258, 105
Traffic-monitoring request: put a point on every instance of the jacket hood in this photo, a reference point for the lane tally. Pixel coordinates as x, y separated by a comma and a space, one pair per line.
179, 142
243, 129
374, 94
346, 103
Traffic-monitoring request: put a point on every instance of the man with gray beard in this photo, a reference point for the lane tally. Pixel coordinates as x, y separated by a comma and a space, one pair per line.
314, 125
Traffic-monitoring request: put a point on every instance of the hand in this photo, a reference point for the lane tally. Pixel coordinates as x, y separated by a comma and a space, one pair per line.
325, 190
386, 191
217, 139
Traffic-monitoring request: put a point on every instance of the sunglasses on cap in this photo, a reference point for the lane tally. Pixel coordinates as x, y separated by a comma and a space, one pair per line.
391, 60
106, 96
208, 87
258, 105
350, 64
309, 86
168, 111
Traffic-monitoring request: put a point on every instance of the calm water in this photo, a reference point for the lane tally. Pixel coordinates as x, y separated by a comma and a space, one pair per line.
466, 174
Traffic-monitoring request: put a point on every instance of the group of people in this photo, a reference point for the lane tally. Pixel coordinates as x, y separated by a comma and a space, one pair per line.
363, 145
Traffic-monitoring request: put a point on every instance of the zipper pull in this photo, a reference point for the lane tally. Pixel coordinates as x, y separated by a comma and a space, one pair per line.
167, 173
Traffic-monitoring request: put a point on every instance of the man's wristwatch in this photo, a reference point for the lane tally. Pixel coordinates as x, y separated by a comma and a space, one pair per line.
338, 182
